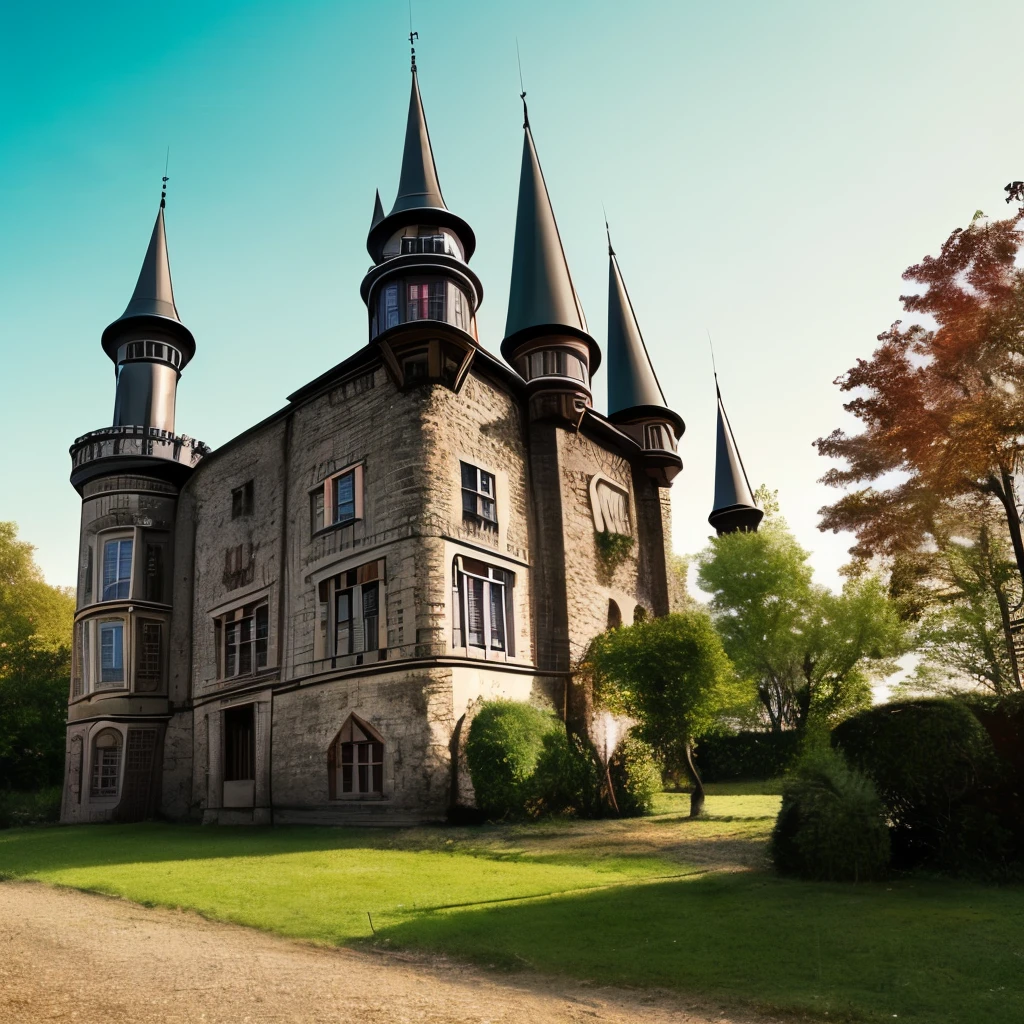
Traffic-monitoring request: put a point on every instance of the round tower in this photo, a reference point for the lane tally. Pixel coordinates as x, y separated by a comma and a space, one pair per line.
420, 294
546, 335
735, 508
129, 476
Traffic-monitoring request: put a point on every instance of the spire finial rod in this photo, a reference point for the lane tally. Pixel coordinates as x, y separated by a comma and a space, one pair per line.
413, 36
164, 180
607, 231
714, 369
522, 94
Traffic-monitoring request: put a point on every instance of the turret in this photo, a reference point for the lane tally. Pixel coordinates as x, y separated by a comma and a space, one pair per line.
129, 476
420, 294
735, 507
546, 335
636, 403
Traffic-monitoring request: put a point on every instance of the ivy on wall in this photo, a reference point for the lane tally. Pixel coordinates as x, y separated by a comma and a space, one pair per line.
612, 549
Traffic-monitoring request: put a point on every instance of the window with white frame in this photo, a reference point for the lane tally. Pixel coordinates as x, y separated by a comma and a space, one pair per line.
351, 607
338, 501
117, 569
478, 501
243, 640
355, 761
106, 763
482, 607
111, 652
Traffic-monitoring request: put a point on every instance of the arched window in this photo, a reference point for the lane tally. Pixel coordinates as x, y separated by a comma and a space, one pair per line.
614, 615
355, 761
106, 763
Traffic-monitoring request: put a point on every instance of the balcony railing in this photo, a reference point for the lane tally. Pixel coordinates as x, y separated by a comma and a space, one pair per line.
135, 442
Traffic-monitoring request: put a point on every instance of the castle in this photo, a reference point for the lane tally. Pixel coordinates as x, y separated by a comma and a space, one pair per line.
298, 626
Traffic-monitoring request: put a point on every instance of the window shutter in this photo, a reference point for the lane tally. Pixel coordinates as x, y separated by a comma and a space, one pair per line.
357, 481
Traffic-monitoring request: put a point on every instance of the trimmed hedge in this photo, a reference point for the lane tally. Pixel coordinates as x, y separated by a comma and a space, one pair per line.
746, 755
935, 767
635, 775
505, 740
831, 826
567, 779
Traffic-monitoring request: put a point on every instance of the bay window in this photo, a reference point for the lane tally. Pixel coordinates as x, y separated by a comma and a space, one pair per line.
111, 652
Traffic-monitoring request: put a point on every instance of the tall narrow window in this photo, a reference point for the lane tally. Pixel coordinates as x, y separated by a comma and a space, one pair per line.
478, 502
245, 635
371, 620
391, 316
344, 503
483, 613
148, 655
239, 745
117, 569
106, 763
351, 605
343, 622
111, 653
153, 584
338, 501
242, 500
88, 575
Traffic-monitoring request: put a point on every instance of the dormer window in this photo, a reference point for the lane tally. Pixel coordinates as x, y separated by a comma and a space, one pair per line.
424, 244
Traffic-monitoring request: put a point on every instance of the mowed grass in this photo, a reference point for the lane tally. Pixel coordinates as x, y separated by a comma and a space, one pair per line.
655, 902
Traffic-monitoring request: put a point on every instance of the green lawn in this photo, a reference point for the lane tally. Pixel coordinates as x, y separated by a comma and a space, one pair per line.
661, 901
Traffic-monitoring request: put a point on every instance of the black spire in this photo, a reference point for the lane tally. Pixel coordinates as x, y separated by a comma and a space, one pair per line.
542, 298
152, 303
735, 507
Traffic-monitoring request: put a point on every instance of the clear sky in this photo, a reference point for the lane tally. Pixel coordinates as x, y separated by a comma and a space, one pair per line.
769, 169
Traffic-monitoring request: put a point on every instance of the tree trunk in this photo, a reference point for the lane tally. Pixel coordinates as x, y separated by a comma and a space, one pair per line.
1003, 489
697, 796
1004, 613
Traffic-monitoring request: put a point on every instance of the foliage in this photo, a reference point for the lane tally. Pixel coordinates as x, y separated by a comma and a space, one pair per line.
928, 759
635, 776
810, 652
671, 675
612, 549
35, 668
567, 778
832, 824
36, 807
933, 951
505, 739
747, 755
941, 402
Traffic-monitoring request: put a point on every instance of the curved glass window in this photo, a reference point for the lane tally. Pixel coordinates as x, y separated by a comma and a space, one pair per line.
554, 363
423, 298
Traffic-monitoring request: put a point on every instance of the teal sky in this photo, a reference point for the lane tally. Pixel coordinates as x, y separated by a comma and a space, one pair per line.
769, 169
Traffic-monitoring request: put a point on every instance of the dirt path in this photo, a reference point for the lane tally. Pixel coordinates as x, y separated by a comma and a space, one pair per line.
76, 957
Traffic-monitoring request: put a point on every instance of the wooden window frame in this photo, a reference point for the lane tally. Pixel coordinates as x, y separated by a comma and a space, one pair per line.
492, 582
322, 500
475, 496
360, 637
232, 624
361, 749
243, 500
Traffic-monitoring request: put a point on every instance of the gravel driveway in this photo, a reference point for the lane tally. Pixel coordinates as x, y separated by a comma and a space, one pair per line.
72, 956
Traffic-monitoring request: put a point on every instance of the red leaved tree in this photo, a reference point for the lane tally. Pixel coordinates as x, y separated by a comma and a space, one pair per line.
942, 407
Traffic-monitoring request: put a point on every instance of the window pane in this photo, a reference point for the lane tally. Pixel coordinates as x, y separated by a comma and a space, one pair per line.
318, 511
435, 310
112, 652
486, 483
262, 635
343, 622
245, 645
390, 315
468, 476
475, 610
344, 498
231, 649
117, 569
497, 616
378, 779
487, 510
346, 776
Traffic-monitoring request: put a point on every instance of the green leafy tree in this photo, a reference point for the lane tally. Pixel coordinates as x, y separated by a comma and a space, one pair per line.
35, 667
672, 675
810, 653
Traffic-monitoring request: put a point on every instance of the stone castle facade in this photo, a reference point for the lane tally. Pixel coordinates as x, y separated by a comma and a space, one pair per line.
299, 626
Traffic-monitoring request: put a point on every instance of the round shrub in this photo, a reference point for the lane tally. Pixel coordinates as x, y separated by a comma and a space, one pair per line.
635, 775
567, 779
831, 826
926, 758
504, 742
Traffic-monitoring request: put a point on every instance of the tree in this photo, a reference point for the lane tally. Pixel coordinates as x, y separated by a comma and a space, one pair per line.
35, 667
941, 403
672, 675
810, 653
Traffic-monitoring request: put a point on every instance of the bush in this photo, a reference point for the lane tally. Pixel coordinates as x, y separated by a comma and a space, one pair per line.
505, 739
635, 775
831, 826
567, 779
930, 760
746, 755
34, 808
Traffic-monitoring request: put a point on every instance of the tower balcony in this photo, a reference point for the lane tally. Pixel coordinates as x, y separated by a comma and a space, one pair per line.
134, 449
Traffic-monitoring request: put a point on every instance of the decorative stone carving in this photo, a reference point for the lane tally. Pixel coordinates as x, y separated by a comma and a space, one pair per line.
609, 504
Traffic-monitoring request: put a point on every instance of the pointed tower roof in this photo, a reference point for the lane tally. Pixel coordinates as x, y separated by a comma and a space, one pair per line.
542, 298
419, 191
735, 507
152, 303
378, 211
633, 388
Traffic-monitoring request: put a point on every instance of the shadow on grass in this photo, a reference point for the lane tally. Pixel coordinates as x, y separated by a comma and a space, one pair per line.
929, 952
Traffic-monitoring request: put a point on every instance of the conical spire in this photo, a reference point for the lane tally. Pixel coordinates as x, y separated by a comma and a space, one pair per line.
633, 386
419, 191
152, 303
541, 298
378, 211
418, 187
735, 507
